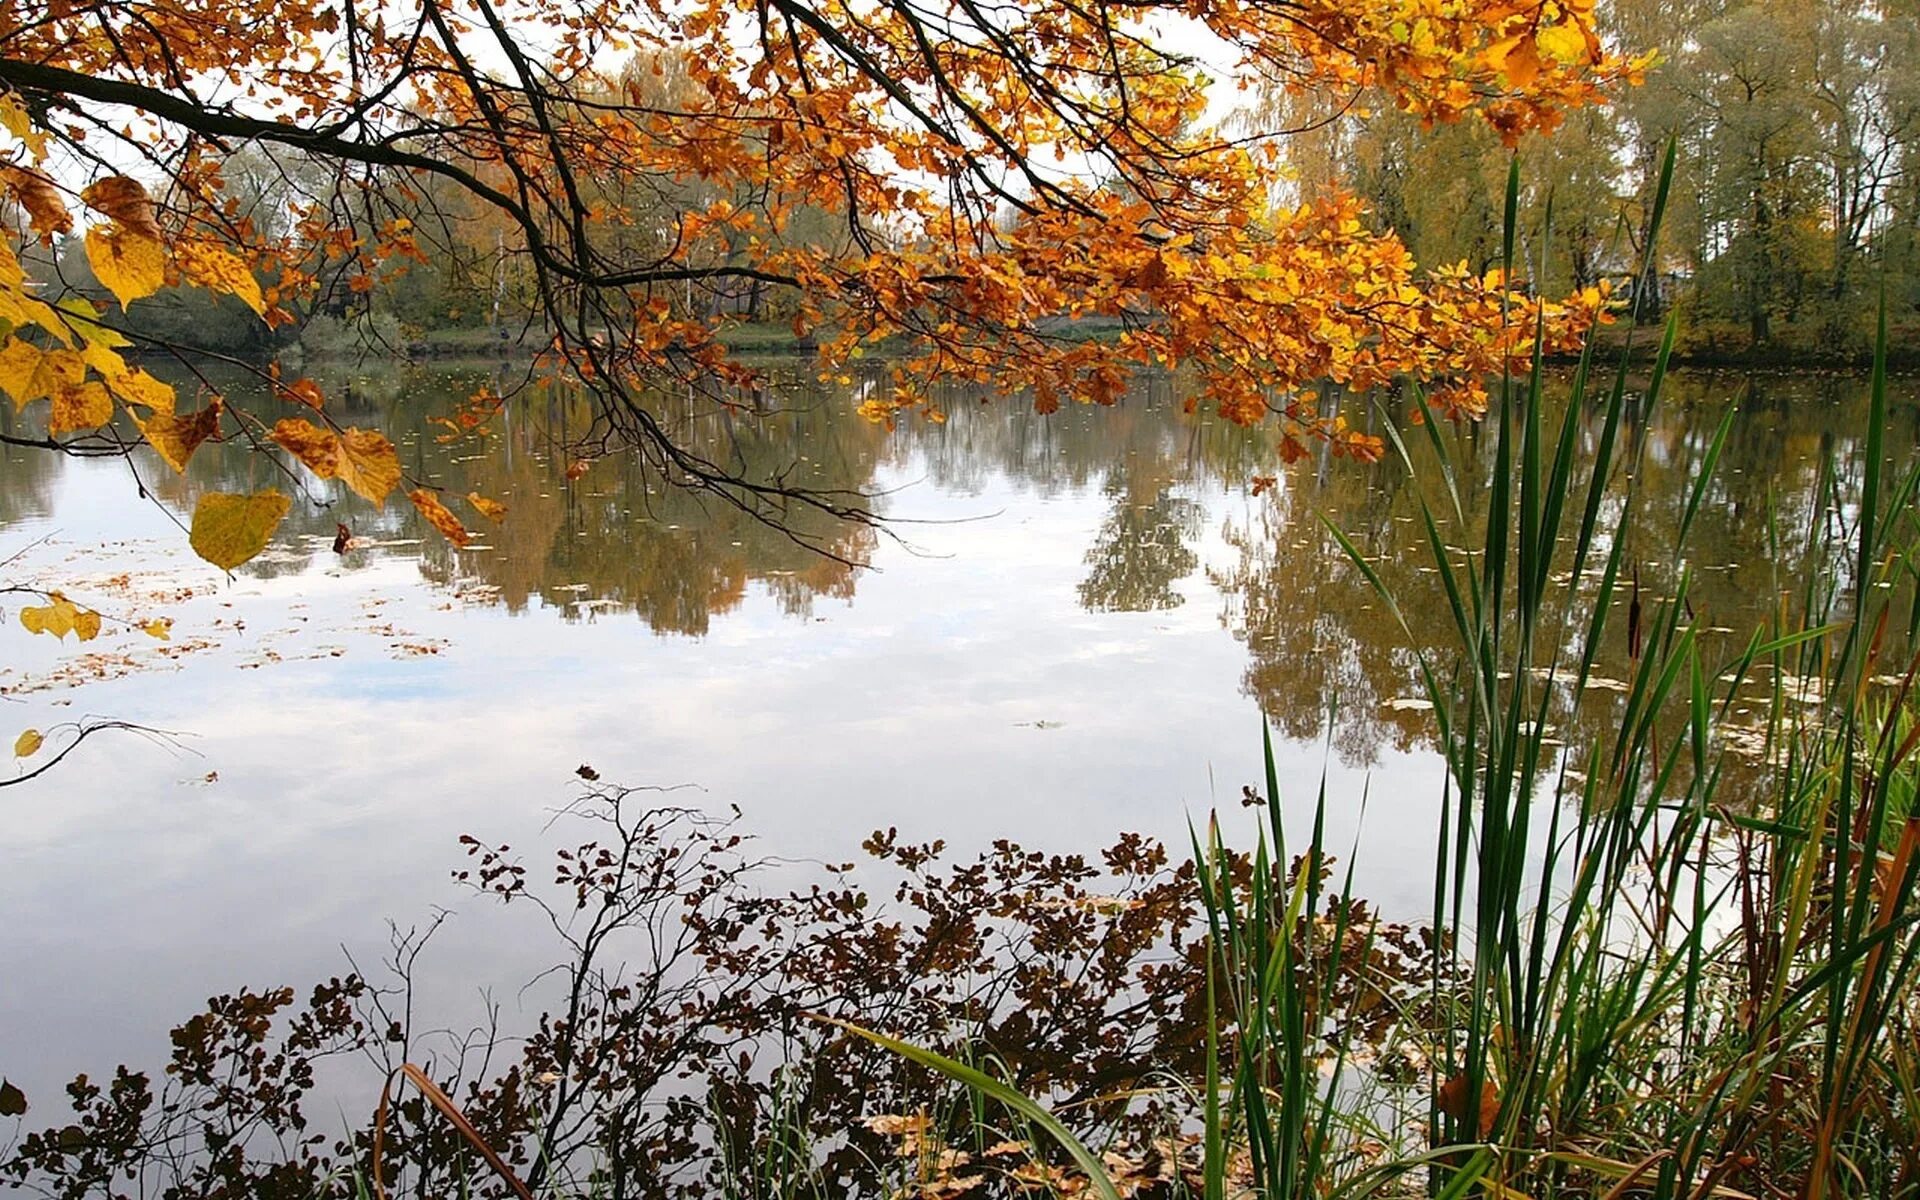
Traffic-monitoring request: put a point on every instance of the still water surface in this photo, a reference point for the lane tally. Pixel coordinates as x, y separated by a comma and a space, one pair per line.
1070, 629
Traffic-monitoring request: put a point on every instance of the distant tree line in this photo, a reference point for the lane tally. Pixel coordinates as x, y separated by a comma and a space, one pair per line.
1797, 188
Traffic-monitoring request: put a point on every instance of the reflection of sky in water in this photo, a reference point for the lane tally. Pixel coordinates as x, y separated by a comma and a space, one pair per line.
964, 692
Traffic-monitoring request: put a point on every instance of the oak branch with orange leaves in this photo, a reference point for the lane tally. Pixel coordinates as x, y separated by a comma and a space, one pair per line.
986, 171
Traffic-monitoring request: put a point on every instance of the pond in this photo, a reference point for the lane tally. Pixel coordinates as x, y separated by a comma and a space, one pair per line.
1069, 626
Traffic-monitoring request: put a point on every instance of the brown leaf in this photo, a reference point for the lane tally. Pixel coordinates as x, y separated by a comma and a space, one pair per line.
1454, 1102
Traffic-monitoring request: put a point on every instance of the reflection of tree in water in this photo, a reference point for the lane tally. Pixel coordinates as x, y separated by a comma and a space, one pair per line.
1141, 551
1317, 636
618, 539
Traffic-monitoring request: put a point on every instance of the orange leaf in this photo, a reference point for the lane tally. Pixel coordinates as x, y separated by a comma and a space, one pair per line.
492, 510
305, 391
437, 516
46, 212
318, 448
126, 201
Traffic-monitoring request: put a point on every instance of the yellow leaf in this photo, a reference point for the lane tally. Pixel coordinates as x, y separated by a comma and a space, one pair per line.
220, 270
367, 464
128, 263
492, 510
60, 617
14, 119
437, 516
318, 448
19, 371
138, 387
175, 438
229, 529
28, 744
87, 406
1565, 42
28, 372
159, 627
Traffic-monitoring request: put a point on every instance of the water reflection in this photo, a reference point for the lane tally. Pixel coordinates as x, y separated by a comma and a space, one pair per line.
1316, 638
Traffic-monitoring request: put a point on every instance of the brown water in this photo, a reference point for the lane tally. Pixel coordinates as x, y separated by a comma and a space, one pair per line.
1070, 628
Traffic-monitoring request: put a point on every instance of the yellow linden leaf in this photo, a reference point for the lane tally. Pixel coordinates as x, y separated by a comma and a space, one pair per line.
128, 263
492, 510
220, 270
138, 387
86, 624
368, 464
439, 517
318, 448
1565, 42
89, 319
14, 119
19, 368
229, 529
159, 627
87, 406
28, 744
175, 438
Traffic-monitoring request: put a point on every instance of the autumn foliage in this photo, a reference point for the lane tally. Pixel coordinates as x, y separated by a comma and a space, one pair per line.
986, 175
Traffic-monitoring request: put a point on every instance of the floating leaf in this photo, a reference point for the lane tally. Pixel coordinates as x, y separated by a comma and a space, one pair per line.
367, 463
229, 529
492, 510
26, 746
87, 406
60, 617
126, 201
220, 270
175, 438
159, 627
437, 516
128, 264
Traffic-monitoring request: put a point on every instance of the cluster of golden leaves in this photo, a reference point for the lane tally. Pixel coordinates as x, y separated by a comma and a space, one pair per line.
994, 170
64, 352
